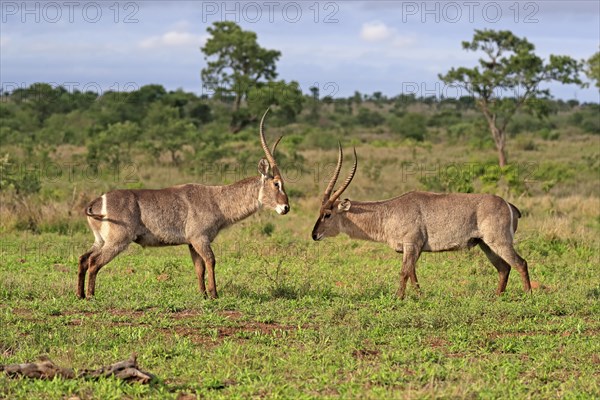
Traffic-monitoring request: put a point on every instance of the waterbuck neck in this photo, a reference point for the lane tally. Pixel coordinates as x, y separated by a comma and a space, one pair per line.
240, 199
363, 221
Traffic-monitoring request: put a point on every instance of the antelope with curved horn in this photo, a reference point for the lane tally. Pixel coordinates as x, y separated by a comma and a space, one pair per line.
191, 214
421, 221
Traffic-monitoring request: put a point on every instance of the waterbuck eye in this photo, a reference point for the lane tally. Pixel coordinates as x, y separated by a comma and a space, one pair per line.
276, 184
327, 215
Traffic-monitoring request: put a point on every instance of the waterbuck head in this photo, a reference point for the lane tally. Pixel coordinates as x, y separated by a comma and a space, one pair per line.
328, 223
272, 193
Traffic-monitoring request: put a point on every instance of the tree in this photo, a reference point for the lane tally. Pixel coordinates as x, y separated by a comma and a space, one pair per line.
236, 64
593, 68
167, 130
113, 145
287, 96
315, 104
510, 66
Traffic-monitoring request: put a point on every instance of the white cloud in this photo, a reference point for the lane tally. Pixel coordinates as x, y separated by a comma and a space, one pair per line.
172, 39
376, 31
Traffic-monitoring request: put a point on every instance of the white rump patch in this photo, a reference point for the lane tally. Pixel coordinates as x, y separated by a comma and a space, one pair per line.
510, 229
104, 225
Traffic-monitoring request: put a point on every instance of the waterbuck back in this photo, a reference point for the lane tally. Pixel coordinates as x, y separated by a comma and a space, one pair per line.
191, 214
424, 221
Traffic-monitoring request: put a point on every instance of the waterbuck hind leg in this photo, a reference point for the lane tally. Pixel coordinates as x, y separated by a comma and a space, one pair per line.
82, 270
200, 268
502, 266
99, 259
204, 250
410, 255
509, 255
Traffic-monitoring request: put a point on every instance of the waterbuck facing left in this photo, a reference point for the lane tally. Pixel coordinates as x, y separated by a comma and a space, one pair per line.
191, 214
422, 221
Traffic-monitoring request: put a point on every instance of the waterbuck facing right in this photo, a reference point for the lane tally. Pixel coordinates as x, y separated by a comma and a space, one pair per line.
189, 214
423, 221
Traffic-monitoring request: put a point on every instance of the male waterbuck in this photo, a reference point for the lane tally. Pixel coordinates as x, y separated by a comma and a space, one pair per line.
422, 221
191, 214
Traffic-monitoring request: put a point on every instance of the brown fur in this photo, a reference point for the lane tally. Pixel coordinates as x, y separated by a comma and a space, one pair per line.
432, 222
189, 214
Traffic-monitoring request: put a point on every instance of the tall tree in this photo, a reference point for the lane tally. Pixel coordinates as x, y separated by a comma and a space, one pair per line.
236, 63
508, 79
593, 68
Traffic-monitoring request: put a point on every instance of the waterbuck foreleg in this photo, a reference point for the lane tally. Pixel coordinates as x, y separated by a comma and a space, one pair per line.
82, 270
204, 250
502, 266
410, 255
199, 265
508, 254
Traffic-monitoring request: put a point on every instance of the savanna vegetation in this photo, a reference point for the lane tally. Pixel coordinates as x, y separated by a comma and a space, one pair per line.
296, 318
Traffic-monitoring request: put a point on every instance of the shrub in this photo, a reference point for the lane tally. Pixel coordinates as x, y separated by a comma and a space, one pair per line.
368, 118
23, 181
410, 125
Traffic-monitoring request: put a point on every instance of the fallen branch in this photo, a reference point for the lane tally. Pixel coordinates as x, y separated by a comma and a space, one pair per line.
46, 369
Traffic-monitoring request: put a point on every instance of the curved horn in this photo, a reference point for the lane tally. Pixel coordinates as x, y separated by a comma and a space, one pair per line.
275, 145
347, 182
263, 142
334, 177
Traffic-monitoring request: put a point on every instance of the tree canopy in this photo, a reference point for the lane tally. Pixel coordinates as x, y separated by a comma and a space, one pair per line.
593, 68
509, 78
240, 69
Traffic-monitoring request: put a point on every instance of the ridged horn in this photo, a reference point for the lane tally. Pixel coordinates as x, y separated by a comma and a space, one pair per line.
263, 142
334, 177
339, 192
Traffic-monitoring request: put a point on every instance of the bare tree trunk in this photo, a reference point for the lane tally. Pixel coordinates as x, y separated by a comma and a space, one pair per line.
500, 140
499, 137
501, 156
237, 102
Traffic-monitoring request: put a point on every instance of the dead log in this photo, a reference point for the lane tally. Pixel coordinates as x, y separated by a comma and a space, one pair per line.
46, 369
126, 370
43, 369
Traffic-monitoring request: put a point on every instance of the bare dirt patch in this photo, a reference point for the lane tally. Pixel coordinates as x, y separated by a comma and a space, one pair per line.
231, 314
365, 353
239, 332
184, 314
585, 332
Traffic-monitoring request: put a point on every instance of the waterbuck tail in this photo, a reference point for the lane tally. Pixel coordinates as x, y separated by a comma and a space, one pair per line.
515, 210
515, 215
89, 210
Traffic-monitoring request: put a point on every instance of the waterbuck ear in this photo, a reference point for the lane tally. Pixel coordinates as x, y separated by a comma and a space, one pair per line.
263, 168
344, 205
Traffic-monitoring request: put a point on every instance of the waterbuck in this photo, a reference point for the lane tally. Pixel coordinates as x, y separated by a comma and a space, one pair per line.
191, 214
421, 221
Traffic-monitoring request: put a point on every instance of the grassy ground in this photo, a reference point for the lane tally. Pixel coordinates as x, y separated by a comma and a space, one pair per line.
299, 319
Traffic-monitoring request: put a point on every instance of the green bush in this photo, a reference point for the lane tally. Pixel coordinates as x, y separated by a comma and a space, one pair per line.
445, 118
587, 119
368, 118
410, 126
527, 123
23, 181
548, 134
318, 139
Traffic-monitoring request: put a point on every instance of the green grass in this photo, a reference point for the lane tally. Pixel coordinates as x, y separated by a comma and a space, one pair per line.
297, 319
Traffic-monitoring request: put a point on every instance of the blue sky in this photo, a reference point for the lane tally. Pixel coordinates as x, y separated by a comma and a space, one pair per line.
340, 46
